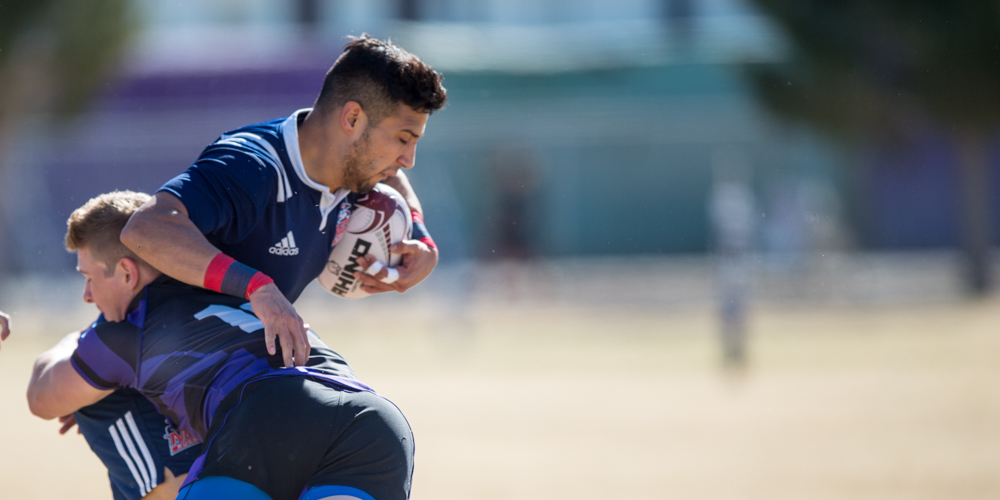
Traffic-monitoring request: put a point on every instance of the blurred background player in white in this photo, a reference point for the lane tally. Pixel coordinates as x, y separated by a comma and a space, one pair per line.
731, 210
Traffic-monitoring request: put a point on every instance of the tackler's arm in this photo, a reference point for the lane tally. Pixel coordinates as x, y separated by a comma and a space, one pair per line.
56, 389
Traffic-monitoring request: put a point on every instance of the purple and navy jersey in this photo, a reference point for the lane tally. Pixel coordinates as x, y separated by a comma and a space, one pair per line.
249, 194
185, 348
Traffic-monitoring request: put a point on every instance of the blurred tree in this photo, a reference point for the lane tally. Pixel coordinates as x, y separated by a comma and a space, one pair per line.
865, 70
54, 54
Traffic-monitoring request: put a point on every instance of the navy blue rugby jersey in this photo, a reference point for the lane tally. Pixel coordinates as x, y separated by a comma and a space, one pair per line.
250, 195
185, 348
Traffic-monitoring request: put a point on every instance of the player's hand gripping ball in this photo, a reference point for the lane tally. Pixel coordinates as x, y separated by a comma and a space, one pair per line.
380, 218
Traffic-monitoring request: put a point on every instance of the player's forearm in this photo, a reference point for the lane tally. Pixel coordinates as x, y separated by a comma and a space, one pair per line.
400, 183
164, 236
43, 387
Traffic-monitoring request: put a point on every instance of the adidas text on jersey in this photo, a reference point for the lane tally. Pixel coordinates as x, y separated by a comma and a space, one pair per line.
285, 247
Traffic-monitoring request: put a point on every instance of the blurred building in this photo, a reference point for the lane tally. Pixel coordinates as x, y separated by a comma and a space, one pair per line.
620, 107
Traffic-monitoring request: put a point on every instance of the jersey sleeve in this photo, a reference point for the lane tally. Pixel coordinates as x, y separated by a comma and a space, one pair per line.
225, 191
107, 355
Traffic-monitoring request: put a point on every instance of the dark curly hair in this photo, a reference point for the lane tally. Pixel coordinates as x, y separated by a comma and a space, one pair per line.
379, 75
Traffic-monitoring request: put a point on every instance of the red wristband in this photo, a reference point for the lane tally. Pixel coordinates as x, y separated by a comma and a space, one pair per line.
420, 230
429, 242
226, 275
416, 216
217, 271
260, 279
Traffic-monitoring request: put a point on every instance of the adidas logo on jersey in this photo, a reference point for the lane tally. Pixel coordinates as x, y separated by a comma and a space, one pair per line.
285, 247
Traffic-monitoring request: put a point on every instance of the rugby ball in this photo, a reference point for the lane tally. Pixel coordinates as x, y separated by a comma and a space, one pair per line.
378, 219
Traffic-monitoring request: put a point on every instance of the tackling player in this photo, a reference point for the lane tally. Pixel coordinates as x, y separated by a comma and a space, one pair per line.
309, 432
146, 455
258, 212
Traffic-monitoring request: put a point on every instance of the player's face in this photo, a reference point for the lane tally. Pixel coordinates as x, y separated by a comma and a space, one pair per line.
383, 149
110, 294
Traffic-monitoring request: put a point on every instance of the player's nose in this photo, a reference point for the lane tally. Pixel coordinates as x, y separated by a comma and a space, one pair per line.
87, 296
408, 158
405, 162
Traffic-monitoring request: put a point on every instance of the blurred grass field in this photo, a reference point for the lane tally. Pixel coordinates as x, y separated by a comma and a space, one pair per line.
530, 401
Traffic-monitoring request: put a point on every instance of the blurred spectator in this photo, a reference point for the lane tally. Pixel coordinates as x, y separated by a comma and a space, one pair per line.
514, 217
731, 210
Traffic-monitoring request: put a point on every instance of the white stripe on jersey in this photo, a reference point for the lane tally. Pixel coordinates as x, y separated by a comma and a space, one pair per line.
234, 317
142, 447
291, 240
258, 147
134, 453
128, 461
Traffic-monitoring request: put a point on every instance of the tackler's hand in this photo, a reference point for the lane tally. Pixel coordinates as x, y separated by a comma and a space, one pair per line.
4, 326
281, 321
66, 423
418, 262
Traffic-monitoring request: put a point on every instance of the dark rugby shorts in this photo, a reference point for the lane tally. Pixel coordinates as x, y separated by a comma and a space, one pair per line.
290, 434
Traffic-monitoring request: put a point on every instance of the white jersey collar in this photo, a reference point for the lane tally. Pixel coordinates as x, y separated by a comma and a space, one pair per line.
290, 131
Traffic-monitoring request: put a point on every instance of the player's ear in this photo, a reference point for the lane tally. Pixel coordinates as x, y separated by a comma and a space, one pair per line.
353, 119
130, 271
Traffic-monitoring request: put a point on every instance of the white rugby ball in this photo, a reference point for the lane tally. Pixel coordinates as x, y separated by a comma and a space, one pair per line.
380, 218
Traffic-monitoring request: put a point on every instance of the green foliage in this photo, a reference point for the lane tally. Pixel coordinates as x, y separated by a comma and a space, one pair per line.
14, 17
75, 43
862, 67
93, 36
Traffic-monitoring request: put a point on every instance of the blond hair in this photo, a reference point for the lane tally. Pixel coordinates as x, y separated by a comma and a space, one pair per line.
98, 224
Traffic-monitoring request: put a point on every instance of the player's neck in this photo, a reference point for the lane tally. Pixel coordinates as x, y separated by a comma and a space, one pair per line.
146, 276
320, 148
119, 308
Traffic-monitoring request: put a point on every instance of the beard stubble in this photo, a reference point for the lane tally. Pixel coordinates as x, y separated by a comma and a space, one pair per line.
357, 166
